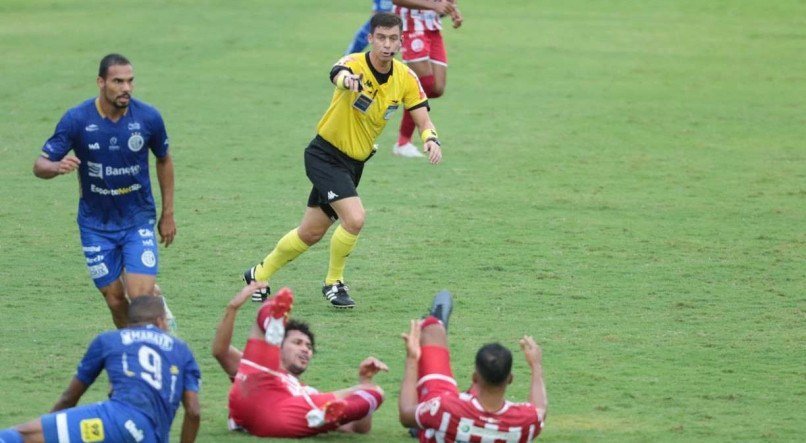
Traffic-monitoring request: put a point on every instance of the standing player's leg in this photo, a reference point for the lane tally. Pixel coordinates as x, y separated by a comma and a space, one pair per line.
425, 54
311, 229
140, 260
115, 296
404, 147
438, 56
104, 257
138, 285
322, 171
351, 215
141, 265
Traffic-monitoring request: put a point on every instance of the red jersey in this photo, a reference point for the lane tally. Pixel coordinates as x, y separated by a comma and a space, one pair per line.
418, 20
461, 418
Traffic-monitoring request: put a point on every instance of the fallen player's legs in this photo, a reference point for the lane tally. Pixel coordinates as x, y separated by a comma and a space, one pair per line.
434, 374
105, 421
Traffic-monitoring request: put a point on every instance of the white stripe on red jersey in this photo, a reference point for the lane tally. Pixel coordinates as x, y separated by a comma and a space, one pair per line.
291, 383
418, 20
452, 418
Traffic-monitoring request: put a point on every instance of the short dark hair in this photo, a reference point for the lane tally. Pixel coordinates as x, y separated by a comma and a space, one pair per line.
385, 20
494, 363
111, 60
146, 309
301, 326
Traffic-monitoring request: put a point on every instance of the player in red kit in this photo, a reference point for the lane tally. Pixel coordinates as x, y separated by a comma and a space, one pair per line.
424, 52
430, 400
267, 399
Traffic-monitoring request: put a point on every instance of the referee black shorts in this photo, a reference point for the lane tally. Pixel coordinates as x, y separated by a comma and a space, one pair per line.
334, 175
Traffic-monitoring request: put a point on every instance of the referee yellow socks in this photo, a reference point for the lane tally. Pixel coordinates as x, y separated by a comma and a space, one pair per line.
341, 245
288, 248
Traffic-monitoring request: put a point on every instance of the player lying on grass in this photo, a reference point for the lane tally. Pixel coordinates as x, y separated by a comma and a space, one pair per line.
267, 398
150, 372
430, 401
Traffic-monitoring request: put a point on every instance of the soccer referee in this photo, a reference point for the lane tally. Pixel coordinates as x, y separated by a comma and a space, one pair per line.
370, 87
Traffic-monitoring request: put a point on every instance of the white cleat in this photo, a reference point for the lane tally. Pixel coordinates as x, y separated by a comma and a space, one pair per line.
407, 150
169, 317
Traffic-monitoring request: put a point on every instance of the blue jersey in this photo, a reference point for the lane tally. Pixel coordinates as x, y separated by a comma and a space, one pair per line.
115, 185
382, 5
148, 370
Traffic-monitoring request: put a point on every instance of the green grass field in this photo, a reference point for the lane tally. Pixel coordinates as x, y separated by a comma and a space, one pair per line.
626, 181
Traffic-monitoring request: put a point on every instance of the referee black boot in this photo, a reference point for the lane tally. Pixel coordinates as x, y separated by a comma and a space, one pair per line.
338, 295
260, 295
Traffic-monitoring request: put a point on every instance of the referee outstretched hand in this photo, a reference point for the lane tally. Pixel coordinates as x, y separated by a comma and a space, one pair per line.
434, 152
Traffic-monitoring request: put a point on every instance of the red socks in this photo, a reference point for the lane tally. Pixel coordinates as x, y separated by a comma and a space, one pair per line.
361, 403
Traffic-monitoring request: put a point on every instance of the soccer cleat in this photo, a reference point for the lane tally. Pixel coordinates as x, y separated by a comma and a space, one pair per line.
274, 313
338, 295
407, 150
442, 306
331, 413
260, 295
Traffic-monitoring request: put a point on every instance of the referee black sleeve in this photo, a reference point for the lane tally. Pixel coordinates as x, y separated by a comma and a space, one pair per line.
336, 69
420, 105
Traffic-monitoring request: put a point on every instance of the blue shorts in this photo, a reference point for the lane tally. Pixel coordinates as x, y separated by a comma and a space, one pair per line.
107, 421
108, 253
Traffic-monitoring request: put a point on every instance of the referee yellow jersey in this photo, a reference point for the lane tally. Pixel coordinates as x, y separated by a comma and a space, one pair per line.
355, 119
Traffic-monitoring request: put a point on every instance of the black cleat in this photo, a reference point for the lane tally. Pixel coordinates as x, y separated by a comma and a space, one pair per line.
442, 306
338, 295
260, 295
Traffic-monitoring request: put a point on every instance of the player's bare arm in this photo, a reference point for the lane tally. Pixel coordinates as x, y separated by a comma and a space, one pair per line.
441, 7
190, 424
71, 395
534, 357
228, 356
44, 168
165, 176
428, 133
407, 401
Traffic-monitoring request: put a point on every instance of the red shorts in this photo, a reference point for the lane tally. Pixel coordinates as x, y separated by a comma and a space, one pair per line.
266, 402
424, 46
434, 375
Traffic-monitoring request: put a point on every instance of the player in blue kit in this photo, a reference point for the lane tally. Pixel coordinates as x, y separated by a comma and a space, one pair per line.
111, 136
150, 372
361, 38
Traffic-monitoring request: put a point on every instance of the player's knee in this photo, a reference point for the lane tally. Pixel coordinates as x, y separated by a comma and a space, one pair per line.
354, 223
114, 298
310, 236
437, 90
